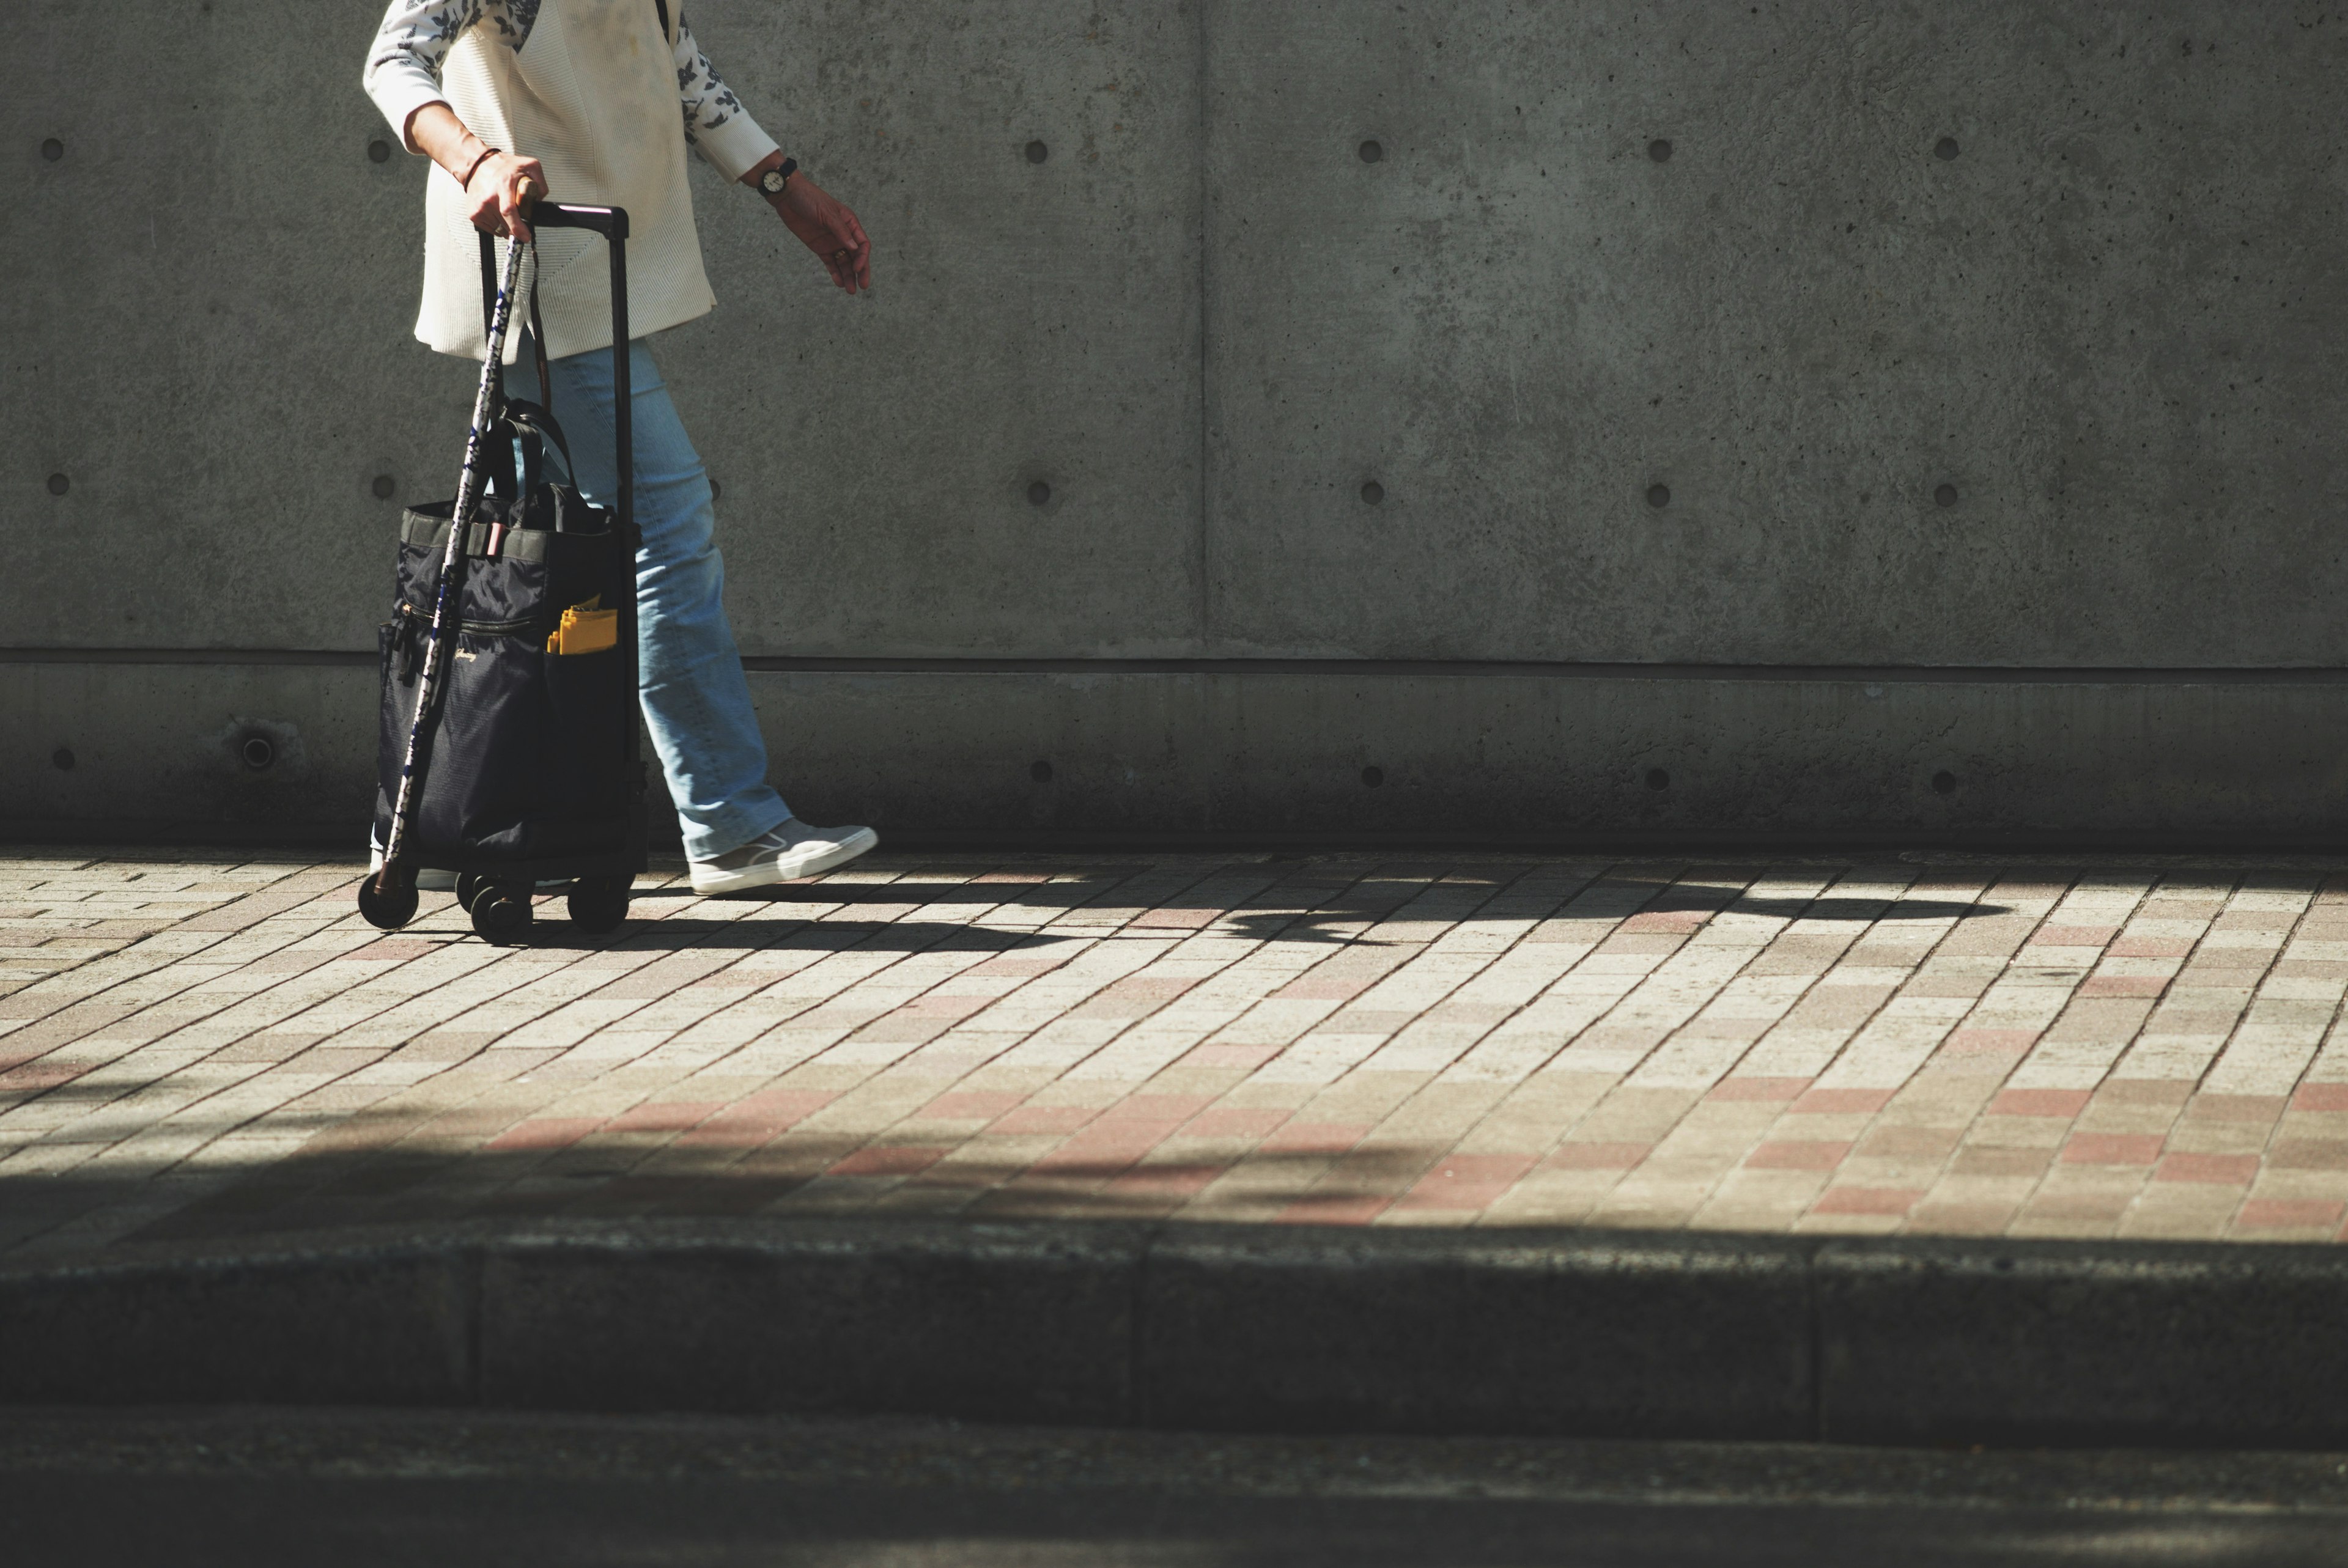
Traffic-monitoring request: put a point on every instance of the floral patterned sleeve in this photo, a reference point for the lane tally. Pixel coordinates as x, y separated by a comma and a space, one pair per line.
402, 69
715, 120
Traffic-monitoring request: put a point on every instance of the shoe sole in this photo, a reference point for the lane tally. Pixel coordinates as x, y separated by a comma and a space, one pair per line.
809, 863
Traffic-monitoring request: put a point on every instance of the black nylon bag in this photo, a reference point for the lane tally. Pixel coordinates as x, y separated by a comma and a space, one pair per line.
532, 758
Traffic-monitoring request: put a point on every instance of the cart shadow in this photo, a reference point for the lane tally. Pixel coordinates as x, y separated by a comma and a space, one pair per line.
682, 933
1069, 892
1334, 924
1862, 911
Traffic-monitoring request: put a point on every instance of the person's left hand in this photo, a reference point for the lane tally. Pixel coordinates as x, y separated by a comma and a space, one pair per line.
827, 228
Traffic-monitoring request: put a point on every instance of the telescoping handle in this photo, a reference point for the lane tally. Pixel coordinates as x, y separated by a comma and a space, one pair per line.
611, 224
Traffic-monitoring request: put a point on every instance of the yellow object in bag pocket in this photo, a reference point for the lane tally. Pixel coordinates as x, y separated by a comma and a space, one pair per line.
586, 630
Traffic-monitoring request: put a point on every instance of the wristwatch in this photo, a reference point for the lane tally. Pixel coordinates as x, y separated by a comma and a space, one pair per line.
774, 179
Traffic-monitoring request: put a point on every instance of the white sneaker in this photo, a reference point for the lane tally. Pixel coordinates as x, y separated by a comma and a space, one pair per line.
792, 850
427, 879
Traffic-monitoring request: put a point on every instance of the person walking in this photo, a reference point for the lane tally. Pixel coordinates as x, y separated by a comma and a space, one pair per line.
596, 102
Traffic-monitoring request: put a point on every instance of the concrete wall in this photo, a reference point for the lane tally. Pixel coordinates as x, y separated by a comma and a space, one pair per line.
1986, 354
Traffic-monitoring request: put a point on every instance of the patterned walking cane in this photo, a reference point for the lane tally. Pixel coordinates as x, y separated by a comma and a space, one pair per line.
394, 879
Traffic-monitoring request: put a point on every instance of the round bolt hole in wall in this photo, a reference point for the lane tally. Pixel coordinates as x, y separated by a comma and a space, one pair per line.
1038, 493
1373, 493
1945, 495
1040, 772
1658, 780
53, 149
1038, 152
1947, 151
258, 751
1660, 150
1371, 152
378, 151
1659, 496
59, 483
1373, 777
63, 759
383, 487
1944, 783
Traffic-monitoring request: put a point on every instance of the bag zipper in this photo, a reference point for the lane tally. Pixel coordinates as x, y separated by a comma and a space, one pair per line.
522, 628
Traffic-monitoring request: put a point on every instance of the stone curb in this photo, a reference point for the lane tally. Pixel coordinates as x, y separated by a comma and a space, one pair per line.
1243, 1328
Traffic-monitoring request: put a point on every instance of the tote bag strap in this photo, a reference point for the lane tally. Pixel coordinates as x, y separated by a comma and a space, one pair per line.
538, 338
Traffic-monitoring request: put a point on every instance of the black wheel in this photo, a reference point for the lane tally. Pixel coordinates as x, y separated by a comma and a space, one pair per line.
598, 904
386, 911
468, 888
502, 911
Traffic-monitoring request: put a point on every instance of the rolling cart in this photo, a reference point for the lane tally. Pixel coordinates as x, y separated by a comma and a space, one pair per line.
509, 750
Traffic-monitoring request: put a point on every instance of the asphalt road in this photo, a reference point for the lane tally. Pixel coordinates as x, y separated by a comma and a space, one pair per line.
352, 1489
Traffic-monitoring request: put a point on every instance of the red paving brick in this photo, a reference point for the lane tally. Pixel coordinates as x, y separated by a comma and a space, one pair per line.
755, 1119
2112, 1148
2217, 1170
2122, 986
1314, 1138
1466, 1181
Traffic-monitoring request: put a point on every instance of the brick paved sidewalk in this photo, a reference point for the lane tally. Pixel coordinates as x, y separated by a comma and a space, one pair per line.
208, 1044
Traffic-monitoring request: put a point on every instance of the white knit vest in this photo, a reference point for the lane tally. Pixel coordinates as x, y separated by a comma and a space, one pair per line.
591, 95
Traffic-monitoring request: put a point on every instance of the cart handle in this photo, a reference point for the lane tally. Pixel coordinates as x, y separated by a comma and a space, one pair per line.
611, 224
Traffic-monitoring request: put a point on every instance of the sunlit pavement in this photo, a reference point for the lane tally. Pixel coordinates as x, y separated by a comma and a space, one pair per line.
205, 1044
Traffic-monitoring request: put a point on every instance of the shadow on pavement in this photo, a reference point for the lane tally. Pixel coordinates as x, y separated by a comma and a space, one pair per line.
421, 1187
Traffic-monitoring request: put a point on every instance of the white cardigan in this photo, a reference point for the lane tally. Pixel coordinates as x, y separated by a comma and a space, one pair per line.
592, 89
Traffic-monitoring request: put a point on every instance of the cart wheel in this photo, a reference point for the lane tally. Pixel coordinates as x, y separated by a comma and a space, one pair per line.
598, 904
386, 911
468, 888
502, 911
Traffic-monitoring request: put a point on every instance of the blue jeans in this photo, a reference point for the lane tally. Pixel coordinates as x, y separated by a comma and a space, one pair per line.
696, 702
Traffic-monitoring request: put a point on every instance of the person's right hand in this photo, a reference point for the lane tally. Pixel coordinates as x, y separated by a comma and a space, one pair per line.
499, 190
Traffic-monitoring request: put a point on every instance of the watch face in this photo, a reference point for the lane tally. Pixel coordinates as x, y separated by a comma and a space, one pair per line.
772, 181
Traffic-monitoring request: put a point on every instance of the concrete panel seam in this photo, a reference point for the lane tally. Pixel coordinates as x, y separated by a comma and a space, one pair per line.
1559, 670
